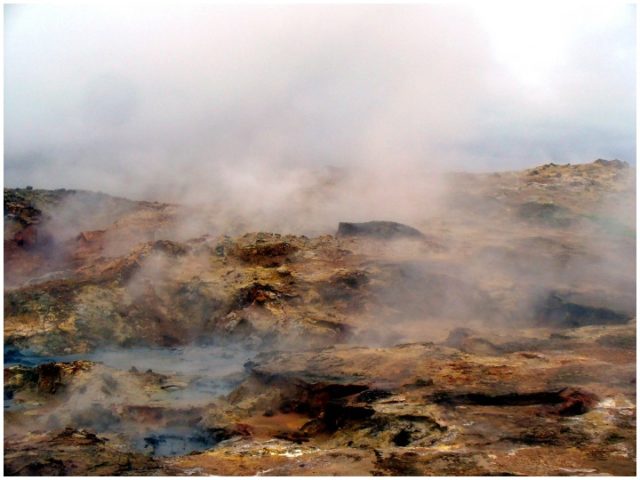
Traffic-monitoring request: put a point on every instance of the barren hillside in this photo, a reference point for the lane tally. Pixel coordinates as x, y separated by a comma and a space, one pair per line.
493, 335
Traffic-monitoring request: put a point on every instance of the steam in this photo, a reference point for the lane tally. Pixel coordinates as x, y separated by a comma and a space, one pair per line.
291, 119
206, 103
111, 397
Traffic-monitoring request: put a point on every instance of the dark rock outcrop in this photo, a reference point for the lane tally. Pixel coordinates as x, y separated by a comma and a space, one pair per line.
548, 214
378, 229
566, 402
615, 163
556, 311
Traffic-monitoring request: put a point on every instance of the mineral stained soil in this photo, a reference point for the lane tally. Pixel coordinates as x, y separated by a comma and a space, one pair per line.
497, 337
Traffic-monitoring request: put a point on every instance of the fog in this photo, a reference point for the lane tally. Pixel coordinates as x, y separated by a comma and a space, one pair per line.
235, 121
290, 119
244, 105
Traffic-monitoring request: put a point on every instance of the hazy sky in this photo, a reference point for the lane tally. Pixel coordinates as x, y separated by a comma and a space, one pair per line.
128, 100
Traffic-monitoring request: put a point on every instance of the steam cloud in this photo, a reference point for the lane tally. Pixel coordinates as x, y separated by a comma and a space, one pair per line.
204, 104
292, 118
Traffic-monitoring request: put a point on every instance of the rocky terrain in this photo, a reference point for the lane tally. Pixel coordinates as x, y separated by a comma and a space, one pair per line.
495, 336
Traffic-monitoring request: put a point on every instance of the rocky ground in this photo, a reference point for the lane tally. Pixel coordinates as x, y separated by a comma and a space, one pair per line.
494, 337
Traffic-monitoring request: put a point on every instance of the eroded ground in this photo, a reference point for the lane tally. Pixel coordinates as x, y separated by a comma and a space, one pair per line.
501, 340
